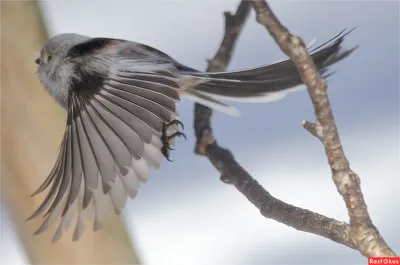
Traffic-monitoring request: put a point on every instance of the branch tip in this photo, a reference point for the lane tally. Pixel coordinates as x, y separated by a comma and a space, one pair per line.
225, 179
311, 128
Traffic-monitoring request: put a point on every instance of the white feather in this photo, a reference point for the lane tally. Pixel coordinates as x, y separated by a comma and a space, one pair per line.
118, 194
79, 229
131, 183
58, 234
69, 215
53, 216
155, 140
141, 168
230, 110
311, 43
80, 226
102, 206
152, 155
268, 97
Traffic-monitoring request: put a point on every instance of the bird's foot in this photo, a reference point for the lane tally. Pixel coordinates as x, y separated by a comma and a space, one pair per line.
165, 149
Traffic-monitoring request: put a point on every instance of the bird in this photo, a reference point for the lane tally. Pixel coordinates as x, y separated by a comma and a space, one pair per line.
121, 101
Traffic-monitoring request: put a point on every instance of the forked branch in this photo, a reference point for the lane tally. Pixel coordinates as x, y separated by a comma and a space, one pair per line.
233, 173
363, 233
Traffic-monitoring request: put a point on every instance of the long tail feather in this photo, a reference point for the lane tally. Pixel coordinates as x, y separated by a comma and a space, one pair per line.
262, 84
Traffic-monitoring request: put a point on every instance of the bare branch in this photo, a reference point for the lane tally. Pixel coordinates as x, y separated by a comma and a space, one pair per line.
364, 234
233, 27
273, 208
233, 173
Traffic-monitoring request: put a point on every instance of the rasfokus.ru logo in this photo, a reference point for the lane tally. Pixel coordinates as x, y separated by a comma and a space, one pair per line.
384, 260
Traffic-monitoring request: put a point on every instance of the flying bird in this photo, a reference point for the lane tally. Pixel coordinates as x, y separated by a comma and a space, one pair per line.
121, 98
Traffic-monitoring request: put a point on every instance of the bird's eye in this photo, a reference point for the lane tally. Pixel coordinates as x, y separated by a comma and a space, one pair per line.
48, 56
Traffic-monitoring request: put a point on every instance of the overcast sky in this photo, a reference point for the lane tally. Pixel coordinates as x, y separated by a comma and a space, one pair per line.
185, 214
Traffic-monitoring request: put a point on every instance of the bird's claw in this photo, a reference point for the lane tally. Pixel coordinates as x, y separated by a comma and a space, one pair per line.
175, 122
165, 138
176, 134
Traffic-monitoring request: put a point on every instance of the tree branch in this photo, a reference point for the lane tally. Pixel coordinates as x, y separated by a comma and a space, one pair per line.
364, 234
233, 173
271, 207
202, 115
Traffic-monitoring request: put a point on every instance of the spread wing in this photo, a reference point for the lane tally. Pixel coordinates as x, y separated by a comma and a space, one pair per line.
113, 136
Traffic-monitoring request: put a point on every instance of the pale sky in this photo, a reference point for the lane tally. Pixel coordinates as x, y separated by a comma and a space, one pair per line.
185, 214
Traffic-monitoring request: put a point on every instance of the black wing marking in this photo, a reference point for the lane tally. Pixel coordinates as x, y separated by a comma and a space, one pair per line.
90, 47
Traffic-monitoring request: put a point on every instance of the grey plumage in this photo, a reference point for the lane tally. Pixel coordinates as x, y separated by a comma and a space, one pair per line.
121, 101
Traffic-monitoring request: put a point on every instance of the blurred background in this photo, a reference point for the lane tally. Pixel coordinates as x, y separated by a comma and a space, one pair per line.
184, 214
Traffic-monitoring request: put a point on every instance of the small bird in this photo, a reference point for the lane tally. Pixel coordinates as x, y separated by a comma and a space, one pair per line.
122, 120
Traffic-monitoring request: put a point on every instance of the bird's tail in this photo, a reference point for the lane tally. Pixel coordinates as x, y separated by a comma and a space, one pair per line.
262, 84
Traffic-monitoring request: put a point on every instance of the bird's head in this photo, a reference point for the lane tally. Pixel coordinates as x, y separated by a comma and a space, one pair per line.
54, 68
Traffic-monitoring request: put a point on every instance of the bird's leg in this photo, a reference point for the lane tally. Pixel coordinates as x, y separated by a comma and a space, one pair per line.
165, 138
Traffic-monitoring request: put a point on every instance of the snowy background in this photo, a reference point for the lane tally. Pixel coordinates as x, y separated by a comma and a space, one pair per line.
185, 214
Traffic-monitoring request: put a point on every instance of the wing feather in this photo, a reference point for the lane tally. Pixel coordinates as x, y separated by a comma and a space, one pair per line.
112, 140
115, 143
149, 104
56, 182
65, 178
140, 112
76, 164
89, 162
105, 160
146, 87
131, 130
53, 173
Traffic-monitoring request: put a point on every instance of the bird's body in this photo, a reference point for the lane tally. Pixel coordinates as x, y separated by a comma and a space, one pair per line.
121, 99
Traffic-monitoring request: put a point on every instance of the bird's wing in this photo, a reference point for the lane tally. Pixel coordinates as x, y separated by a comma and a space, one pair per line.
112, 138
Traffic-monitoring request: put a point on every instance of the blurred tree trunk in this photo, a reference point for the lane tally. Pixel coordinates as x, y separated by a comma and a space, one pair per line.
32, 126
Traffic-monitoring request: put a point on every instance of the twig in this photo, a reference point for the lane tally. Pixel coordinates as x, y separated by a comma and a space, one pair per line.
364, 234
233, 173
202, 115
